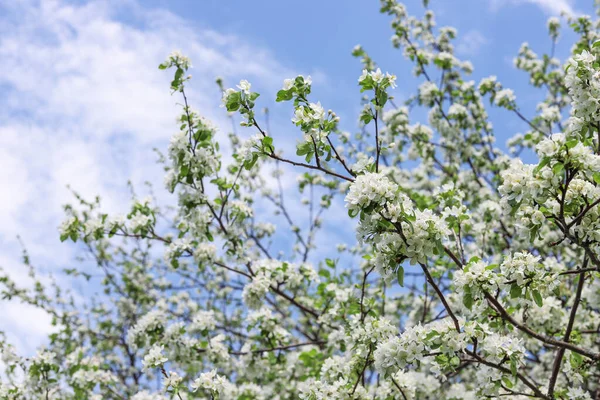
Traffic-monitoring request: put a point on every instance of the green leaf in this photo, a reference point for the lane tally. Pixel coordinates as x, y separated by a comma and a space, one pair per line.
576, 360
455, 361
515, 291
309, 156
400, 275
468, 300
433, 333
474, 259
177, 79
233, 102
324, 273
507, 382
268, 143
537, 296
541, 165
284, 95
571, 143
366, 118
303, 149
382, 98
558, 168
513, 367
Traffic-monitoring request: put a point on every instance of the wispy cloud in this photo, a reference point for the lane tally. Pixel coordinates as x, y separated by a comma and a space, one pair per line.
551, 7
470, 43
84, 103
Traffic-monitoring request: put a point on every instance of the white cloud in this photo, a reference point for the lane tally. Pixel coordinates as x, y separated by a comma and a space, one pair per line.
551, 7
470, 43
84, 103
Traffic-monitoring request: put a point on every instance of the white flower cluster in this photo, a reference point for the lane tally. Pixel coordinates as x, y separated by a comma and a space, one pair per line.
529, 61
425, 235
548, 113
205, 252
518, 274
212, 382
176, 248
265, 321
172, 380
44, 357
203, 321
525, 268
583, 82
414, 385
362, 164
457, 111
176, 58
341, 389
88, 370
146, 395
151, 323
519, 182
489, 84
475, 278
255, 291
187, 157
370, 190
154, 358
500, 347
428, 93
553, 27
85, 377
505, 98
139, 221
270, 272
371, 330
421, 145
378, 77
315, 122
417, 234
569, 152
247, 149
413, 345
314, 112
290, 83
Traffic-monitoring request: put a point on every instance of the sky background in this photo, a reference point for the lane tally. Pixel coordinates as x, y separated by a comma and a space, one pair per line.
83, 103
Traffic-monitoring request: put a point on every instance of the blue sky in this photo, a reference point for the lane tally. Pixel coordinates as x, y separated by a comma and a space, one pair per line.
319, 35
83, 102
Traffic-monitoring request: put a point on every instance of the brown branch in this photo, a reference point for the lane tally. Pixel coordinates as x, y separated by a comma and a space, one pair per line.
288, 347
561, 351
441, 296
300, 164
339, 158
521, 377
524, 328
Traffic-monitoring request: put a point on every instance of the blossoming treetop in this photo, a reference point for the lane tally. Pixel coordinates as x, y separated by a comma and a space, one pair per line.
474, 275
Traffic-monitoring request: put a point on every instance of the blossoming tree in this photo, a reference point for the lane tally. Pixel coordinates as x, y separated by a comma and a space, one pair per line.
473, 275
